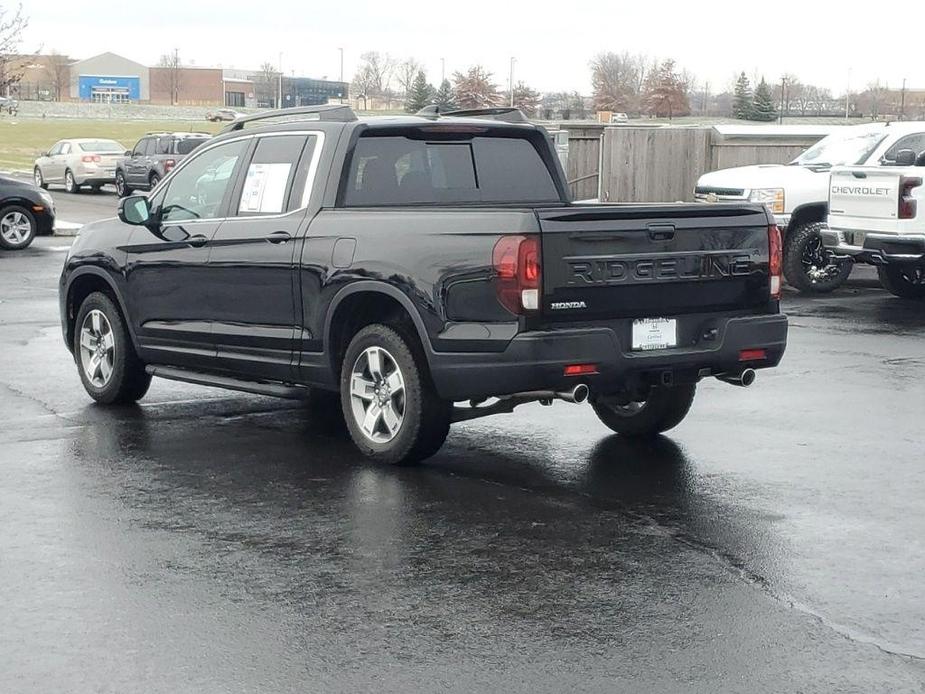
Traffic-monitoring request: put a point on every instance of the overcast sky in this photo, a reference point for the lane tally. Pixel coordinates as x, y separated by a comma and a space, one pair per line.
823, 42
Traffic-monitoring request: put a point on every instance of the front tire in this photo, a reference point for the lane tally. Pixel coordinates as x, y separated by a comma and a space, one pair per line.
662, 409
904, 281
70, 183
808, 265
110, 370
17, 228
392, 410
39, 178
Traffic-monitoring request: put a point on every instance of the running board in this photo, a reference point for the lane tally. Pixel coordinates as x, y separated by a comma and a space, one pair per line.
274, 389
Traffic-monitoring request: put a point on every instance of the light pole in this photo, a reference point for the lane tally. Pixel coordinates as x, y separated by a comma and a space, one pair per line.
902, 102
341, 64
279, 100
847, 93
783, 89
513, 60
442, 71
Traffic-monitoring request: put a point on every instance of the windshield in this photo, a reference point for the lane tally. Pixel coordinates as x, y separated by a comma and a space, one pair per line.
845, 148
102, 147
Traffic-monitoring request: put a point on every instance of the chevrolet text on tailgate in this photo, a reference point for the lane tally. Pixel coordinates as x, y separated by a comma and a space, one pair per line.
411, 272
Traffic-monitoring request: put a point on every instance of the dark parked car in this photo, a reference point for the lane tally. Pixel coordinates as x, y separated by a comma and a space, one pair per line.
152, 158
397, 266
25, 211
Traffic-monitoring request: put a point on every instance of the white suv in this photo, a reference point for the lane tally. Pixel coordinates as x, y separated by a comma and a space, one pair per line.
798, 193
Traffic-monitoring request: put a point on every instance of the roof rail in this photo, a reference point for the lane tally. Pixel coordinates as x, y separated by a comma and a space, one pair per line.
328, 112
508, 115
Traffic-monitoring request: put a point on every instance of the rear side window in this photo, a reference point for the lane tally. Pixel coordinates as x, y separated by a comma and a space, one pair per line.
404, 171
269, 176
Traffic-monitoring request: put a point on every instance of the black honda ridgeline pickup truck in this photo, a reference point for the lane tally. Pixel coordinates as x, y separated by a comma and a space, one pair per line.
417, 271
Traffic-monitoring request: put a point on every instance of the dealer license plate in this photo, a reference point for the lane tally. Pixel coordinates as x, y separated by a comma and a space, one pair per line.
655, 333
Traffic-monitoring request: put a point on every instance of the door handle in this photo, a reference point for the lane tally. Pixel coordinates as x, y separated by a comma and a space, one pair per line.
661, 232
197, 241
279, 237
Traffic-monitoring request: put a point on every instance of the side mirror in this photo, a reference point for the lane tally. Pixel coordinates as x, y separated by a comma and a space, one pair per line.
128, 152
905, 157
135, 210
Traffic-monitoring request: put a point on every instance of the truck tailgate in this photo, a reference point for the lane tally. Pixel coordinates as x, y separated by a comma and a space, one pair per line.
869, 192
627, 260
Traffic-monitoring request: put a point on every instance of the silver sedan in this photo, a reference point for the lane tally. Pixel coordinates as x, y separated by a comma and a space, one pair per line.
79, 162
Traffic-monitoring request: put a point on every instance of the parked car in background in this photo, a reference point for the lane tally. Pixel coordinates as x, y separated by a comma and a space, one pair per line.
223, 114
797, 193
390, 267
877, 217
25, 212
79, 162
9, 104
152, 158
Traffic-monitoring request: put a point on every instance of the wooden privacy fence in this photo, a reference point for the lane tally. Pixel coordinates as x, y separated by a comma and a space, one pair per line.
639, 164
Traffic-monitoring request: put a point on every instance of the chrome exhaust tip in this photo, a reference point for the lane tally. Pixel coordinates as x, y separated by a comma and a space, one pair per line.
576, 395
744, 379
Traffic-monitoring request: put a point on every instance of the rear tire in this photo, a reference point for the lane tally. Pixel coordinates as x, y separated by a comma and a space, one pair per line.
393, 413
663, 409
808, 266
904, 281
109, 369
122, 188
70, 183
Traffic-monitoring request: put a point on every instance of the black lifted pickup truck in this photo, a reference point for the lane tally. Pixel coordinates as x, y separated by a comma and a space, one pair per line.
417, 271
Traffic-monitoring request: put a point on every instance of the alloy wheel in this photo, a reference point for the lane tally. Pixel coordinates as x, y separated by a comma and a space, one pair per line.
377, 395
15, 228
97, 348
69, 182
818, 262
37, 175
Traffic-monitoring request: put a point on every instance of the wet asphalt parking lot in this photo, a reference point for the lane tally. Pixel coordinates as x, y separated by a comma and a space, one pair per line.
208, 541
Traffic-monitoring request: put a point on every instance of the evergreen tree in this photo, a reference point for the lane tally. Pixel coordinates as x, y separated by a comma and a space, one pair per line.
420, 95
763, 104
444, 98
742, 100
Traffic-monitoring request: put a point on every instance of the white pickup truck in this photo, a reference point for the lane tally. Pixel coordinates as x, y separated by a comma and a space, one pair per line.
798, 193
877, 216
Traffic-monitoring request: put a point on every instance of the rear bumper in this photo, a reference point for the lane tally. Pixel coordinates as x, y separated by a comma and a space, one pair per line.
875, 248
537, 360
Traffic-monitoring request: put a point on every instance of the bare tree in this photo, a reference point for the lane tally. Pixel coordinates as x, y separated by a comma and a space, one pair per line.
59, 69
406, 73
170, 62
267, 83
618, 79
12, 66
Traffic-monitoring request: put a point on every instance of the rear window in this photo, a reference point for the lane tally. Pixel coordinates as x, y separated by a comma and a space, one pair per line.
101, 147
188, 144
404, 171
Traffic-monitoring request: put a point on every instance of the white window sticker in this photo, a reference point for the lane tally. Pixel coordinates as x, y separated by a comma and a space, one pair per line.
264, 188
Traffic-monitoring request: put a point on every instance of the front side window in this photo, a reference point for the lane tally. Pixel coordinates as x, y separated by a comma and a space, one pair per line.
55, 150
270, 175
390, 170
198, 189
140, 148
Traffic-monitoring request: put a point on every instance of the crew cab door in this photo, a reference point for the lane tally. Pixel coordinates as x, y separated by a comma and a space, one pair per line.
168, 293
136, 165
251, 275
54, 169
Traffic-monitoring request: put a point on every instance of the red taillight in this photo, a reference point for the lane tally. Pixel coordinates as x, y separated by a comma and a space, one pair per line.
580, 369
908, 205
169, 164
775, 260
516, 261
752, 355
87, 158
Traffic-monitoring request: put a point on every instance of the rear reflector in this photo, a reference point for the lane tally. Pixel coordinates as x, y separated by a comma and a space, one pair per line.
516, 262
753, 355
580, 369
908, 205
775, 260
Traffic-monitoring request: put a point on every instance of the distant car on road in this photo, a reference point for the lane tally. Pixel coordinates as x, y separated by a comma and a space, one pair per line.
223, 114
153, 157
79, 162
25, 211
